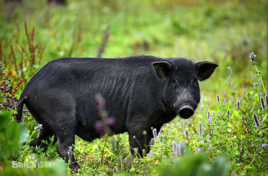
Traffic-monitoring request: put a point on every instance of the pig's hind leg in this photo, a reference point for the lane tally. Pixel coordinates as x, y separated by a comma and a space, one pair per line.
66, 140
45, 135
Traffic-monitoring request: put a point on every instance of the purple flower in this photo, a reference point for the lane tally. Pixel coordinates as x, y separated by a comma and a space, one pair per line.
262, 104
252, 57
256, 120
155, 133
218, 98
238, 104
210, 147
266, 99
228, 113
179, 147
116, 169
70, 150
187, 132
263, 146
224, 101
174, 148
2, 88
10, 86
99, 126
38, 127
200, 128
101, 101
206, 107
230, 71
111, 121
197, 150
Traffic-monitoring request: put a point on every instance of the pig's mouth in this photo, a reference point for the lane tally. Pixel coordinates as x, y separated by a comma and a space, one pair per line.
186, 111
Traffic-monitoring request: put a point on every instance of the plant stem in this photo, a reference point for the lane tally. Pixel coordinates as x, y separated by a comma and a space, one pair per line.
261, 80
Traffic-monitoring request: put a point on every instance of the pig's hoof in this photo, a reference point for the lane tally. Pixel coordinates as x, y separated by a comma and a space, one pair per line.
74, 166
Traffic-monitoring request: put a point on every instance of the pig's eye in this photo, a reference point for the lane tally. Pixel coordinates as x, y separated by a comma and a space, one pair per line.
175, 83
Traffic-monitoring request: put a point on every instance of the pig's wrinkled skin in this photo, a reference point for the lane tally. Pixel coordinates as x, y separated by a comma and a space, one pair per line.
140, 92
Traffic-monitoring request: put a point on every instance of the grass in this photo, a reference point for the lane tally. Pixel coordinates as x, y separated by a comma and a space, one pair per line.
224, 32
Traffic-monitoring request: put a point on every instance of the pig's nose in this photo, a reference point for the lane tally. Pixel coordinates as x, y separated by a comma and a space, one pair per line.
186, 111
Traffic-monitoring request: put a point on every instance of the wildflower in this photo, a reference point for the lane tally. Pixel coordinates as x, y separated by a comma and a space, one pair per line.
230, 71
252, 57
228, 113
111, 121
206, 107
116, 169
263, 146
251, 75
197, 150
218, 98
187, 132
70, 150
100, 100
210, 147
245, 91
262, 104
155, 133
150, 154
172, 126
2, 88
213, 113
266, 99
215, 122
200, 129
256, 120
38, 127
238, 104
177, 123
231, 132
99, 126
174, 148
136, 149
224, 101
209, 118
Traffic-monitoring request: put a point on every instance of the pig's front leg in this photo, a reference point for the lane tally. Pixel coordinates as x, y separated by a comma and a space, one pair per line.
141, 140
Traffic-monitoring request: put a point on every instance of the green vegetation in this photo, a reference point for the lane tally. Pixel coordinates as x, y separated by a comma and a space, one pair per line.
227, 134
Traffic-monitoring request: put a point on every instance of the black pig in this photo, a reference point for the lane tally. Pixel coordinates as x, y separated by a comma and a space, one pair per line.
140, 92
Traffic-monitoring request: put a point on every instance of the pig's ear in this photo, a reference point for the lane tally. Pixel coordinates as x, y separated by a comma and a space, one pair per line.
205, 70
162, 69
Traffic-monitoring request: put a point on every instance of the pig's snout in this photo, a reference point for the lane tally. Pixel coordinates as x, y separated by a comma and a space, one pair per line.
186, 111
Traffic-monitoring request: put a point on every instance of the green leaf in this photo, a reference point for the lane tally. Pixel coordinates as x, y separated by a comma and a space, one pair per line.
4, 119
24, 135
12, 137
